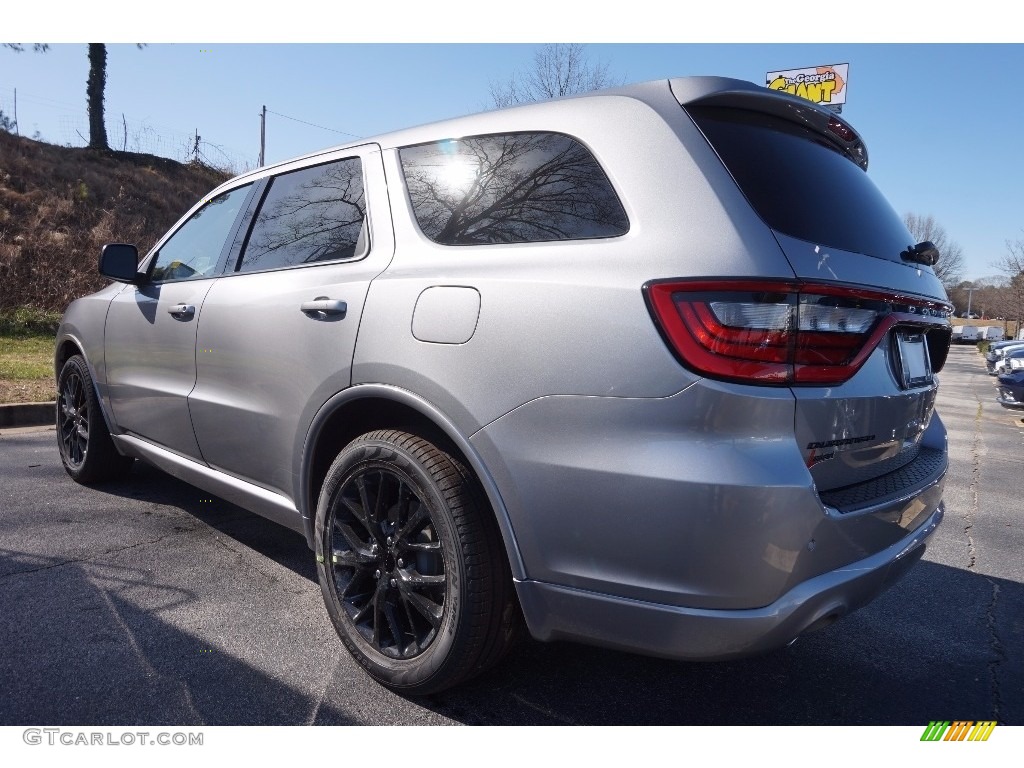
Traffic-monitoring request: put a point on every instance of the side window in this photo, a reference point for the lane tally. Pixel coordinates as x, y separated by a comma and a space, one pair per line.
310, 215
194, 250
510, 188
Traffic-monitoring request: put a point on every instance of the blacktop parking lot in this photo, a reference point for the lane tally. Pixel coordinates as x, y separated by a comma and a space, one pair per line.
150, 602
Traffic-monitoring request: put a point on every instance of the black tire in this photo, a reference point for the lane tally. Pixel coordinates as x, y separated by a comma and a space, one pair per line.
86, 450
411, 564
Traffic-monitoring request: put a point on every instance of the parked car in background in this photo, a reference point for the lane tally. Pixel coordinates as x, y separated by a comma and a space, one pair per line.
650, 368
998, 352
993, 333
970, 334
1010, 389
958, 332
1006, 355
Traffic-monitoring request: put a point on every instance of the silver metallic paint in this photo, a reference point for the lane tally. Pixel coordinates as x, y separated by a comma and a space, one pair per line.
642, 507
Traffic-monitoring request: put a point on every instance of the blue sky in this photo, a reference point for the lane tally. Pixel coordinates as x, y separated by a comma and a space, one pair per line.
940, 121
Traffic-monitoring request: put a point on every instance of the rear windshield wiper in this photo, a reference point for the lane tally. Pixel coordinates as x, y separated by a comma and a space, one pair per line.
922, 253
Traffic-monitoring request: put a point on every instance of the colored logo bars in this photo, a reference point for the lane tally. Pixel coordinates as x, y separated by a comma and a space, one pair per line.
959, 730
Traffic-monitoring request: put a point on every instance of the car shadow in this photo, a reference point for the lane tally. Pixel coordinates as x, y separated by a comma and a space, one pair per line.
284, 546
944, 643
79, 649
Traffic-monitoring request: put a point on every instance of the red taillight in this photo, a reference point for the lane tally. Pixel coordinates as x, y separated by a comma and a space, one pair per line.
780, 332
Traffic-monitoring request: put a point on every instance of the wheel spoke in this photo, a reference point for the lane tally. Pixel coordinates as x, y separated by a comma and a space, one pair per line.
357, 577
360, 512
418, 580
354, 558
432, 547
376, 603
380, 498
430, 610
419, 517
354, 542
408, 616
361, 613
393, 628
365, 501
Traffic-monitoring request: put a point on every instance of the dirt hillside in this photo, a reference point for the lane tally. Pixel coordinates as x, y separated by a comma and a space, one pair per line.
60, 205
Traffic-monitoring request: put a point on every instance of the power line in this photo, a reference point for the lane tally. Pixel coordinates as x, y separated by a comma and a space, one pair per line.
322, 127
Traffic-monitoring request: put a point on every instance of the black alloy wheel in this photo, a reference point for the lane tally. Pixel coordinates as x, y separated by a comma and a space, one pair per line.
73, 421
411, 564
86, 449
387, 563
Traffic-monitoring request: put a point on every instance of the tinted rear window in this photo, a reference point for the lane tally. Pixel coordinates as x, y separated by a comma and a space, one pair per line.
801, 185
510, 188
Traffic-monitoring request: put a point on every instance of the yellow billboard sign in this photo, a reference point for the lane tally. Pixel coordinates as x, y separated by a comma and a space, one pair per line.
822, 85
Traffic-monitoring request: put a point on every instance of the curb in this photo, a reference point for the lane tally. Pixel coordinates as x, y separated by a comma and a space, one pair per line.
27, 415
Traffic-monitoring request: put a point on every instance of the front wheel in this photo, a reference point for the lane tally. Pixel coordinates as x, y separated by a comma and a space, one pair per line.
86, 450
411, 564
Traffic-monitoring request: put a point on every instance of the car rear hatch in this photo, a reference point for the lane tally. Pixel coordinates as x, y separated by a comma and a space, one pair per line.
864, 324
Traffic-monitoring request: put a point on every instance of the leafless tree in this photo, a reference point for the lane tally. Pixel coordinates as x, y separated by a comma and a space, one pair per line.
1011, 264
559, 69
95, 88
951, 262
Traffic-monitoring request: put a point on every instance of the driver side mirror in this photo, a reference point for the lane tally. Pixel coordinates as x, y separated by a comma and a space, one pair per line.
120, 261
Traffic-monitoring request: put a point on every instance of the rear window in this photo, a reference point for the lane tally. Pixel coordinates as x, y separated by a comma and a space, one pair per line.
510, 188
801, 185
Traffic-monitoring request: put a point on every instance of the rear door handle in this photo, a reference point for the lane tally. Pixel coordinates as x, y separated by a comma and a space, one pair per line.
325, 306
182, 310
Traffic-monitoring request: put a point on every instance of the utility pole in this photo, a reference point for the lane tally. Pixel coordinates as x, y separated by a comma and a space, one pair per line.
263, 135
16, 129
970, 291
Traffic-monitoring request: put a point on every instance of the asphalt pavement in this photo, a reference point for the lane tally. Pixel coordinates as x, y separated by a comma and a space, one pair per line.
150, 602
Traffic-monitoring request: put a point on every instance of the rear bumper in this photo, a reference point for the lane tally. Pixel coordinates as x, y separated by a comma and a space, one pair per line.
556, 612
1007, 400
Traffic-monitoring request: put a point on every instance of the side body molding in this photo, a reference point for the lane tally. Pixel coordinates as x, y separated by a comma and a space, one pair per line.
442, 422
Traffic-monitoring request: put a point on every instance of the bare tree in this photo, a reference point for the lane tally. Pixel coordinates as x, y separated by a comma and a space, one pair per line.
18, 47
951, 262
1011, 264
559, 69
94, 88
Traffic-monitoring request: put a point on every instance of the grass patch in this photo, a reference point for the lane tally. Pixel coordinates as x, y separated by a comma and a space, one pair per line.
23, 322
26, 369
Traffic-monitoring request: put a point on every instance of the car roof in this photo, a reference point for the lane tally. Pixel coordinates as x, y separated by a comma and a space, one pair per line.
680, 90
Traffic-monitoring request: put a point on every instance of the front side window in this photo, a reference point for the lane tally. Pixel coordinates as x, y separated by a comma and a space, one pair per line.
195, 249
310, 215
510, 188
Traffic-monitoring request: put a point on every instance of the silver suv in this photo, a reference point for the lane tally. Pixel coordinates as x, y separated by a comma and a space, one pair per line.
651, 368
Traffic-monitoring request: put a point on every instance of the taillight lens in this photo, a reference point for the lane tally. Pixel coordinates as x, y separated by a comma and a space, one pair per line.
780, 333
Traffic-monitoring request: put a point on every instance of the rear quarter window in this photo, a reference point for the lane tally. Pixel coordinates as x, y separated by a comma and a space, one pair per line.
510, 188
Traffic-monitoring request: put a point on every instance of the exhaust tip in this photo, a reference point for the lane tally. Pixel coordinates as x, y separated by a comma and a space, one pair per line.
825, 621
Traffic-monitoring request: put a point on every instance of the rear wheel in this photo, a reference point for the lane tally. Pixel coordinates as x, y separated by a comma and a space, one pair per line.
86, 450
411, 564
